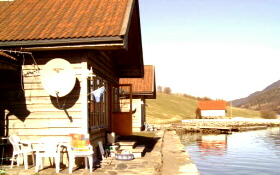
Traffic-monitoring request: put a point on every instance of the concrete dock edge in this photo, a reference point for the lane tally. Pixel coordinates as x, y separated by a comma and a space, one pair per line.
175, 160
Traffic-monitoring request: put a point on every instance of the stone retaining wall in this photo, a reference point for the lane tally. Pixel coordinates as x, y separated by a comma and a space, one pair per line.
230, 122
221, 125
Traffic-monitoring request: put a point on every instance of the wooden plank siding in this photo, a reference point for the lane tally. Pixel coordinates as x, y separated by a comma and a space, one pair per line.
43, 117
46, 116
103, 65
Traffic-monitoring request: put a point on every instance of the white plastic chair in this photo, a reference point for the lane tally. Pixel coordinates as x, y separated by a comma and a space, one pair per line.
148, 127
81, 150
18, 150
48, 147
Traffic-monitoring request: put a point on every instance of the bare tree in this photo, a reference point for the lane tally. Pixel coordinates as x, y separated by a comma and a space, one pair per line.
159, 88
268, 114
167, 90
198, 113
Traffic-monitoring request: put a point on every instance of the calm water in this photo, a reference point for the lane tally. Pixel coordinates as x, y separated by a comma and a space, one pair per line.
243, 153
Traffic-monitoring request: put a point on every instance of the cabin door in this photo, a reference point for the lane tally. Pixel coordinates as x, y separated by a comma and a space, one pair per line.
122, 109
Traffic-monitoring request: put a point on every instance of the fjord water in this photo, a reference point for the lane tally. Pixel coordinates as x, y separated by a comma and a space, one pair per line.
240, 153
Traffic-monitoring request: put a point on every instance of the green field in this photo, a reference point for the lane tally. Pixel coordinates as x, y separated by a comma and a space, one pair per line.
167, 108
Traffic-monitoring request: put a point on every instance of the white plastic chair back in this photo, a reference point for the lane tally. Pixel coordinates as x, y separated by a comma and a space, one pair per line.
48, 145
18, 150
14, 139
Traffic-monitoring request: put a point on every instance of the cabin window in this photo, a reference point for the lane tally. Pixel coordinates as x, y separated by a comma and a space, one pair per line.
121, 98
98, 109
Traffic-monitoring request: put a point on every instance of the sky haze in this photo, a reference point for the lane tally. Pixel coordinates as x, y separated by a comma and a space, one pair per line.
222, 49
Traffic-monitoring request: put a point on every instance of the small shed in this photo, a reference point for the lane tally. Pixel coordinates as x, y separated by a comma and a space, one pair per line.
211, 109
142, 89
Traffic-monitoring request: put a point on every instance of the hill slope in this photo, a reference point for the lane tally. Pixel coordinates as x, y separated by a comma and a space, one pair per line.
245, 100
267, 99
172, 109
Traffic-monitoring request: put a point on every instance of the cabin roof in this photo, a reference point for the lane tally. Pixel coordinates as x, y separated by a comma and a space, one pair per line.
143, 86
22, 20
107, 25
212, 105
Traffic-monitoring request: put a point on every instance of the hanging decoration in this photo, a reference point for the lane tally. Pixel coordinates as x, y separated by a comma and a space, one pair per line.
98, 93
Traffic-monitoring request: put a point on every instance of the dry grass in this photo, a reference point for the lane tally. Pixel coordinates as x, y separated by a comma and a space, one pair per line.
172, 109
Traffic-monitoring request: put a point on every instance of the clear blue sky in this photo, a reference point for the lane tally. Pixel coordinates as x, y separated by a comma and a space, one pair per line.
216, 48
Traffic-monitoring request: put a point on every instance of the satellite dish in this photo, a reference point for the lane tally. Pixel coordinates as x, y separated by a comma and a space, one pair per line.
58, 77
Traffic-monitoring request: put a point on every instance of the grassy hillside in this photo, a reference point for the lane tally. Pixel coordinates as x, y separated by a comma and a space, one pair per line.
172, 109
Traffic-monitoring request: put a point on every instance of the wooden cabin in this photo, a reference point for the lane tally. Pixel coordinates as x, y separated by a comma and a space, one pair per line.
211, 109
142, 89
101, 35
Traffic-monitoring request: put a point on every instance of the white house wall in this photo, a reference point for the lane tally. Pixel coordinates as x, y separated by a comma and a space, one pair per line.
212, 113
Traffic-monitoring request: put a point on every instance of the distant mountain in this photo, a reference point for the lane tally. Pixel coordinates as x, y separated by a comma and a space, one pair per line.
267, 99
245, 100
273, 85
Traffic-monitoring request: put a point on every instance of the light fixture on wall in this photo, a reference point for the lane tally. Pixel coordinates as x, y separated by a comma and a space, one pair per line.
89, 74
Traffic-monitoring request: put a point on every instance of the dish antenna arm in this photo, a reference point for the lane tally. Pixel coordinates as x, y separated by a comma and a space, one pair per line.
62, 108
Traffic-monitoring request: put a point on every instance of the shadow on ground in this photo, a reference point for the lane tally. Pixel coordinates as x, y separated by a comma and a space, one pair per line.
149, 140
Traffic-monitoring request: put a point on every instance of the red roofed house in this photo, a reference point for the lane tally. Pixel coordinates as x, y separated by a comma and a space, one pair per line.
142, 89
212, 109
99, 35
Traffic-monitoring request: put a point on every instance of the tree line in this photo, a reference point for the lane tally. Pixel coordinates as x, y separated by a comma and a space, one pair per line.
167, 90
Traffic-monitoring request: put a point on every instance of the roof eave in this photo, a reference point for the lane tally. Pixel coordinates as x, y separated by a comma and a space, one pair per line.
113, 42
147, 95
127, 17
211, 109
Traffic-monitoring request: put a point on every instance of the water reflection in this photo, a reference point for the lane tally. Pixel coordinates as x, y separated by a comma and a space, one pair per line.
209, 144
253, 152
213, 144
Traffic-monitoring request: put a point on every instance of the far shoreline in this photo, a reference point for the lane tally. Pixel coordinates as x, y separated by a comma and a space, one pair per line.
219, 126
